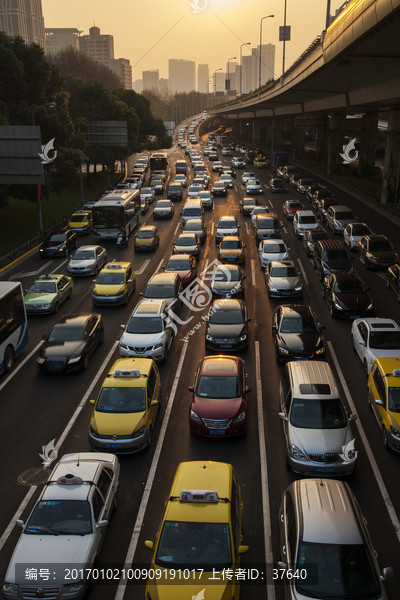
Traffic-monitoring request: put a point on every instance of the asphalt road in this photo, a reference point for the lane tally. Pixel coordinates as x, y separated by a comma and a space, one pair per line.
36, 409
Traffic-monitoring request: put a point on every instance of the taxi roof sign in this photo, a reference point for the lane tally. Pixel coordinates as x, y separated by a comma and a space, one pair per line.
204, 496
126, 373
114, 266
70, 479
396, 373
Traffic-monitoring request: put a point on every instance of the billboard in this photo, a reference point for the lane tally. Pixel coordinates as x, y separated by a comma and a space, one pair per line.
107, 133
20, 146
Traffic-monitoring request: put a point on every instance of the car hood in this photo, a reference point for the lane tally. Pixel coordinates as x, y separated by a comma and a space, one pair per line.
226, 331
67, 549
347, 300
229, 231
142, 339
191, 588
319, 441
144, 241
67, 349
284, 283
274, 256
39, 297
49, 244
233, 252
339, 265
298, 342
225, 285
81, 263
185, 249
116, 424
108, 290
209, 408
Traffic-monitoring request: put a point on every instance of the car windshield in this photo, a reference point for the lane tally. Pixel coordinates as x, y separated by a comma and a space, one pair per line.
177, 265
57, 237
380, 246
248, 203
349, 287
360, 230
163, 204
156, 290
274, 248
219, 184
219, 388
43, 287
194, 545
226, 317
345, 215
334, 255
317, 414
195, 188
78, 218
146, 191
394, 399
193, 226
65, 333
84, 255
204, 195
227, 225
192, 211
268, 224
283, 272
277, 182
121, 400
384, 340
307, 219
304, 324
60, 517
110, 279
145, 234
222, 274
186, 241
144, 324
295, 205
345, 572
230, 245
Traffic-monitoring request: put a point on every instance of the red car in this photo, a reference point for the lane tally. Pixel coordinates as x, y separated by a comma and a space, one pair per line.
292, 206
219, 406
183, 264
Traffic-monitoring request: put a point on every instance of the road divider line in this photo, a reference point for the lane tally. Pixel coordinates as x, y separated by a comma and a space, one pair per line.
143, 267
150, 479
247, 227
21, 364
269, 559
61, 264
177, 227
284, 229
253, 272
61, 439
159, 265
212, 228
302, 271
31, 273
270, 203
379, 479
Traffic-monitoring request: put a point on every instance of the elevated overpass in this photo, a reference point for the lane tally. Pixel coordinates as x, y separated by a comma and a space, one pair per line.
352, 68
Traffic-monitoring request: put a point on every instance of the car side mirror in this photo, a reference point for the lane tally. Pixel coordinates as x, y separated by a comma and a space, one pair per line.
247, 390
248, 320
282, 565
102, 523
387, 573
153, 403
149, 544
92, 402
379, 402
191, 388
20, 523
362, 343
242, 549
353, 417
140, 293
93, 281
282, 416
274, 328
244, 277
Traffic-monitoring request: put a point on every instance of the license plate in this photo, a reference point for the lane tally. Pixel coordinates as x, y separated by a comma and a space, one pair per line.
324, 470
55, 367
355, 317
115, 446
285, 293
217, 431
232, 259
226, 345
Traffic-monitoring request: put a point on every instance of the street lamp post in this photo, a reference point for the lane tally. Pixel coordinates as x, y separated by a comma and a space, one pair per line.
241, 46
215, 80
259, 63
208, 91
48, 105
228, 86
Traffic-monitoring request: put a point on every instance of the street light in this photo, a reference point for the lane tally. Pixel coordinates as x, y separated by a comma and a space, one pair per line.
259, 66
215, 80
241, 46
228, 79
47, 105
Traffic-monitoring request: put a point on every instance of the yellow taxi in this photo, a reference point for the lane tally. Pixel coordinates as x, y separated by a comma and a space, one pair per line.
260, 162
384, 399
81, 222
147, 238
200, 534
126, 408
114, 284
231, 250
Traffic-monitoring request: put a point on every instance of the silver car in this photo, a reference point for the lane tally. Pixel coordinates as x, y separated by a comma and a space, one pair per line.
226, 226
87, 260
253, 186
246, 176
65, 528
282, 279
274, 249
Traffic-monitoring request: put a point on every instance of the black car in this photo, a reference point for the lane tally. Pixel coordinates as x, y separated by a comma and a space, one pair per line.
219, 188
227, 282
393, 279
277, 184
312, 189
376, 251
311, 237
330, 256
247, 205
174, 191
59, 243
346, 296
297, 334
227, 326
70, 343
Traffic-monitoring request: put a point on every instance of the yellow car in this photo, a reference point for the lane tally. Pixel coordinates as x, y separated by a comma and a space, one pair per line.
147, 238
126, 408
114, 284
260, 162
201, 532
231, 250
384, 399
81, 222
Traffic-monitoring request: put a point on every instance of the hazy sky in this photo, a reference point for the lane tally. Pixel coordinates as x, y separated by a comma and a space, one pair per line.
149, 32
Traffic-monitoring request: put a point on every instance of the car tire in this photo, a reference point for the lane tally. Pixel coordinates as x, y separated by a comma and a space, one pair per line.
385, 438
352, 343
85, 362
9, 357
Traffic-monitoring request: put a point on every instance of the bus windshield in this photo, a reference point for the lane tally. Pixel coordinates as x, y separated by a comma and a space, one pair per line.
108, 217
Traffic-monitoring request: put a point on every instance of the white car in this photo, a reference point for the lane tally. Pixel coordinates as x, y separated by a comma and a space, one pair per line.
304, 220
87, 260
353, 233
148, 334
256, 211
246, 176
253, 186
226, 151
226, 226
274, 249
181, 178
194, 190
66, 527
148, 193
206, 198
237, 162
373, 338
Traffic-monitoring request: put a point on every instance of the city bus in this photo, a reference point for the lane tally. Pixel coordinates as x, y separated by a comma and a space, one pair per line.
159, 162
13, 323
119, 210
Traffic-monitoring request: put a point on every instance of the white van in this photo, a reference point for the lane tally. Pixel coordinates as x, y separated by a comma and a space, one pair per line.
193, 209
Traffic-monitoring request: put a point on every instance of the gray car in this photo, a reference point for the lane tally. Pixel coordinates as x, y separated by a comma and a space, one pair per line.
195, 226
282, 279
87, 260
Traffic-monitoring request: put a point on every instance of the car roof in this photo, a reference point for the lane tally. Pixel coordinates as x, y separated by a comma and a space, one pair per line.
282, 263
380, 324
292, 311
147, 228
227, 218
162, 278
150, 306
118, 267
388, 365
75, 320
327, 512
235, 238
338, 207
128, 372
228, 304
50, 277
273, 241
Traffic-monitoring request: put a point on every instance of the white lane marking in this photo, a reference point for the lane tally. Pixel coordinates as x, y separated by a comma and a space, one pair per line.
247, 227
266, 187
21, 364
143, 267
150, 479
212, 228
253, 272
61, 439
269, 559
270, 203
57, 269
30, 273
159, 265
381, 275
302, 271
284, 229
379, 479
204, 270
235, 187
176, 228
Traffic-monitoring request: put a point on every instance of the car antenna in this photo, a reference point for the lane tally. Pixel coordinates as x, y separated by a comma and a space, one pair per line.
77, 464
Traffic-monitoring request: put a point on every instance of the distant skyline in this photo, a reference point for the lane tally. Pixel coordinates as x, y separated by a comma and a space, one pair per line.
150, 34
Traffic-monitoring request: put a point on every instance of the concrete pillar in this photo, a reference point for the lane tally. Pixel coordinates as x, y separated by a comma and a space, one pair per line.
391, 167
298, 141
369, 136
336, 132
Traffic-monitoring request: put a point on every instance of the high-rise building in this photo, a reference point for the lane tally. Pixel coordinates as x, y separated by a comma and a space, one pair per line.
202, 78
163, 87
97, 46
122, 68
61, 38
137, 86
231, 75
246, 73
181, 75
23, 18
267, 64
219, 82
151, 80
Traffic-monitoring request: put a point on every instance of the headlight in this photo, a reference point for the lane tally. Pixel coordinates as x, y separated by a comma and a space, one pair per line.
297, 453
10, 588
93, 432
157, 346
272, 289
120, 293
69, 588
195, 417
320, 351
74, 360
298, 288
369, 307
337, 305
139, 432
243, 337
40, 360
240, 417
395, 432
46, 306
209, 337
283, 351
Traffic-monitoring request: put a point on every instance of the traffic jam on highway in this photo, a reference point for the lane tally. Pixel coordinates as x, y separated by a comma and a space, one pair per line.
201, 395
